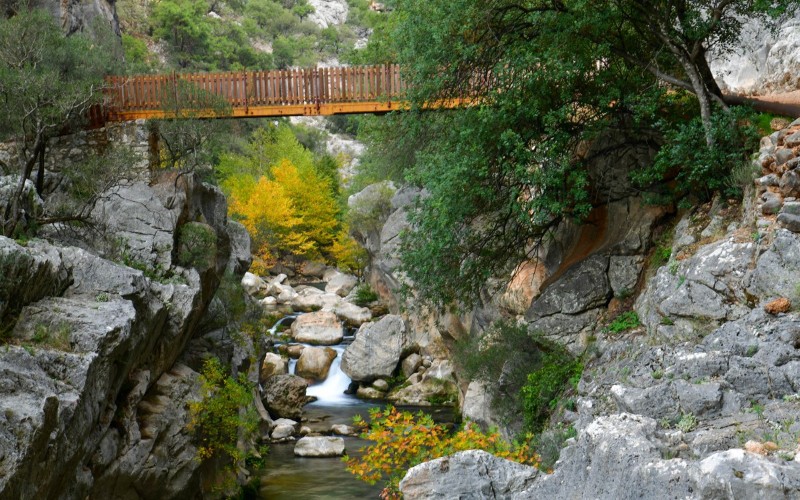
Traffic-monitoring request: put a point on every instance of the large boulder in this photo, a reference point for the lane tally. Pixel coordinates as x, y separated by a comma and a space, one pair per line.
315, 362
318, 328
353, 314
310, 299
376, 350
467, 474
285, 395
319, 447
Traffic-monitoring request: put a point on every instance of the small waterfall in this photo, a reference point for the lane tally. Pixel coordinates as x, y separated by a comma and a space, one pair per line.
330, 392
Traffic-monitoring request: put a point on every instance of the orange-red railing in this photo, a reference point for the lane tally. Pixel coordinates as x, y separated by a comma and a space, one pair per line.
314, 91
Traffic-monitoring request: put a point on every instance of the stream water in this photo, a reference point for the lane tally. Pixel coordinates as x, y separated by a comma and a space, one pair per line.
288, 477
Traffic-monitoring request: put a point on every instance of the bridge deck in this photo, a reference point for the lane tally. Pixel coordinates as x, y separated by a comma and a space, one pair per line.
293, 92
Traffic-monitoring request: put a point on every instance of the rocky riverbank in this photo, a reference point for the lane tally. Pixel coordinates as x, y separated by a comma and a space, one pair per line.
701, 400
102, 338
325, 330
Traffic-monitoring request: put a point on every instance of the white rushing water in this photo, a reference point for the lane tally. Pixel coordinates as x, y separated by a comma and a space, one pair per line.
330, 392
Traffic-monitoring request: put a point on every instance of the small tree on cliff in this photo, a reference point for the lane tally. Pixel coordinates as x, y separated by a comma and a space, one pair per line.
47, 84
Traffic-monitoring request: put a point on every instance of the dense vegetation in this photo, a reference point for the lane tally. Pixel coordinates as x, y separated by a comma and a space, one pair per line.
553, 74
47, 84
402, 440
237, 34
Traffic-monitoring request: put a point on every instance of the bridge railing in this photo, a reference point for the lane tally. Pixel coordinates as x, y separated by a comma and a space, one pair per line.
153, 94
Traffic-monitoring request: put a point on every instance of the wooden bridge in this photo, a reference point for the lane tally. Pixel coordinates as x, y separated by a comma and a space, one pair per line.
290, 92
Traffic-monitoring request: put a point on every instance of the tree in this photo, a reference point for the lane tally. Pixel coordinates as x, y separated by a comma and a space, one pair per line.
48, 82
185, 25
284, 197
548, 75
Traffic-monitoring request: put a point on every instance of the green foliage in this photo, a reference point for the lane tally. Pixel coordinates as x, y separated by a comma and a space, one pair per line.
502, 174
687, 422
661, 256
625, 321
185, 25
47, 84
365, 295
402, 440
197, 246
557, 372
702, 169
137, 58
53, 336
224, 412
526, 374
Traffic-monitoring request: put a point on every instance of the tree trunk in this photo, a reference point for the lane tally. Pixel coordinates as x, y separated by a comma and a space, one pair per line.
13, 215
40, 174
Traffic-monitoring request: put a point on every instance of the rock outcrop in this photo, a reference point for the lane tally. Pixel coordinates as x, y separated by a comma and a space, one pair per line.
94, 398
376, 350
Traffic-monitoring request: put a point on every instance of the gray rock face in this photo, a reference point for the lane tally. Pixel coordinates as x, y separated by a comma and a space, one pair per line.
102, 398
467, 474
376, 350
318, 328
285, 395
29, 274
240, 258
583, 287
142, 227
765, 61
615, 457
777, 269
699, 292
328, 12
319, 447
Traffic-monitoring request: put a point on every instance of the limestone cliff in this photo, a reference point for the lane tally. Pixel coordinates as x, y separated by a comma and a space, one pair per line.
94, 371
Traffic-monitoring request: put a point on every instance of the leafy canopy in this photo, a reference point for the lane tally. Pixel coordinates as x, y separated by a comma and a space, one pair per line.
286, 199
549, 76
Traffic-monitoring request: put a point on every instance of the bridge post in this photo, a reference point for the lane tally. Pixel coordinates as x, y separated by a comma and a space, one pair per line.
153, 149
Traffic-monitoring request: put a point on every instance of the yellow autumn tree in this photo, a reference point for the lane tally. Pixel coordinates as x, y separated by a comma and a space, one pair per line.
286, 204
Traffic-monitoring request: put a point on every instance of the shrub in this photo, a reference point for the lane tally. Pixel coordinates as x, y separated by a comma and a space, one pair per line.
197, 245
624, 321
223, 412
557, 371
365, 295
705, 170
402, 440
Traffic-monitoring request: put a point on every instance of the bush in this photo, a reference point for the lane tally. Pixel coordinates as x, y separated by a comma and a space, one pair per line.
704, 170
624, 321
224, 411
402, 440
365, 295
197, 245
557, 371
